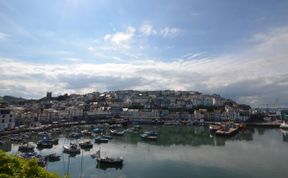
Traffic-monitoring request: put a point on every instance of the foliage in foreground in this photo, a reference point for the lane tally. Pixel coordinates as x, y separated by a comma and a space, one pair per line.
16, 167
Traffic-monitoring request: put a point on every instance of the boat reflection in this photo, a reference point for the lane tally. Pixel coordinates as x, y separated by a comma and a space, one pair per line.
284, 135
191, 136
107, 166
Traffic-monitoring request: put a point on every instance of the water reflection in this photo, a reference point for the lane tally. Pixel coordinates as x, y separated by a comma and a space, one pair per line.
191, 136
180, 150
168, 135
107, 166
284, 135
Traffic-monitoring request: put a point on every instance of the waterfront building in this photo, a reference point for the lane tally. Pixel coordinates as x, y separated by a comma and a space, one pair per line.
7, 119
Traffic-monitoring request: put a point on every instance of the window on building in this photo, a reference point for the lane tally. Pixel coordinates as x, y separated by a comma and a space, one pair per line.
11, 115
3, 120
10, 120
3, 116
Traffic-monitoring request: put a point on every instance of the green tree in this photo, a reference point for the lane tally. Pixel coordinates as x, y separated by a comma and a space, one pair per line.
16, 167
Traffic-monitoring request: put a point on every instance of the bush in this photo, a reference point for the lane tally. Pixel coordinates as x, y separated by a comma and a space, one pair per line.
16, 167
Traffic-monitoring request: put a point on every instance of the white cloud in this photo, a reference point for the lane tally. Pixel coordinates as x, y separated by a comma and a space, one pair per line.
252, 76
169, 32
71, 59
148, 30
3, 35
121, 38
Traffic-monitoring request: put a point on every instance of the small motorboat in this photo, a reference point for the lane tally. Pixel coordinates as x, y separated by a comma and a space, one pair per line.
110, 161
149, 135
26, 148
71, 149
284, 125
101, 139
151, 132
85, 144
117, 133
44, 144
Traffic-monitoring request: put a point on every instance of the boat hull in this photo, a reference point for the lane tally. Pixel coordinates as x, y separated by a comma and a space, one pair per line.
110, 161
101, 140
71, 151
284, 126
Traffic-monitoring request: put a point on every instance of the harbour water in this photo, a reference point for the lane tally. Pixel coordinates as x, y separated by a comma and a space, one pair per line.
180, 151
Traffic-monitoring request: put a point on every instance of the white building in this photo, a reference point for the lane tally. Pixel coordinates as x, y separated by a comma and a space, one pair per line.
7, 119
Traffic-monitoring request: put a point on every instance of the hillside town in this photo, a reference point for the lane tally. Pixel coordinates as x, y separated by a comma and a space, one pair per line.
141, 106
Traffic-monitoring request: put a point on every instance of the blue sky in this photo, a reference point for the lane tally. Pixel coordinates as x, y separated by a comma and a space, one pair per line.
235, 48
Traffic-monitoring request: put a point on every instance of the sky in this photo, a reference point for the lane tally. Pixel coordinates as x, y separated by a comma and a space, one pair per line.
237, 49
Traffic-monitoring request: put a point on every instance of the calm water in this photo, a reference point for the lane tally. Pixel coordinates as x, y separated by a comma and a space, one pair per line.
181, 152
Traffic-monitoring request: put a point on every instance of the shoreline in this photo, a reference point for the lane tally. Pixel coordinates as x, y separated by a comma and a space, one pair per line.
274, 124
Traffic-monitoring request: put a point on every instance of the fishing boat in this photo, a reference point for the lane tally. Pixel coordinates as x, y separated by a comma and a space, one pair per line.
213, 128
101, 139
85, 144
44, 144
228, 130
284, 125
110, 161
71, 149
26, 147
117, 133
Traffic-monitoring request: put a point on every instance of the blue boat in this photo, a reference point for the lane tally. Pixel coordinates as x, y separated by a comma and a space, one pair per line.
100, 139
97, 130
